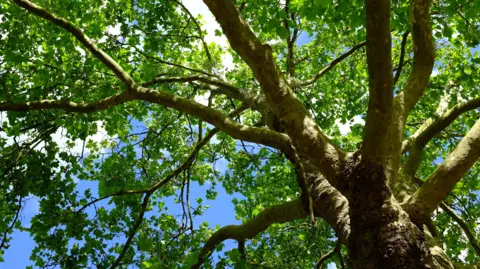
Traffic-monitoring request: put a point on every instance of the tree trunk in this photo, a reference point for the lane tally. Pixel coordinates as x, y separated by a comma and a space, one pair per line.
381, 233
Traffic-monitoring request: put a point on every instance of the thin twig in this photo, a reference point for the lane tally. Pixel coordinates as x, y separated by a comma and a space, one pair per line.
328, 255
205, 46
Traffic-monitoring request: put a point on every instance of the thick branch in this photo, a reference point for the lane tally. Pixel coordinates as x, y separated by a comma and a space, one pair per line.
428, 197
305, 133
333, 64
224, 123
379, 60
80, 36
423, 60
329, 204
471, 237
282, 213
430, 129
69, 106
424, 53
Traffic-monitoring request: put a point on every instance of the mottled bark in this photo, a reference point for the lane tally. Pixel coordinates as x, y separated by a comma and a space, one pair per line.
382, 234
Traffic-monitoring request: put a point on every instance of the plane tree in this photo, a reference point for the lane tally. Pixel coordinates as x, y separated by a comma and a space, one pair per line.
346, 131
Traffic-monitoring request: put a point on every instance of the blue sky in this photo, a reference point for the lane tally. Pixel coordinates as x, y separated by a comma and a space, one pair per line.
221, 211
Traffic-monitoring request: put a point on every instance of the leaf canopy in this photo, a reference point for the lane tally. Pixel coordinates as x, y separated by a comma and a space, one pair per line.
67, 160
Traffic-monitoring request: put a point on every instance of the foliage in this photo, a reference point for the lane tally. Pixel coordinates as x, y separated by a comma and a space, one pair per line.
66, 160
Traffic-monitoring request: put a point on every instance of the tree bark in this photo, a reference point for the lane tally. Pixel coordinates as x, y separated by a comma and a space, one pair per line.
382, 234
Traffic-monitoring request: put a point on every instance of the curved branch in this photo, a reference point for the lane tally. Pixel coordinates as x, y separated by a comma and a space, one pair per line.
80, 36
429, 196
306, 135
3, 244
424, 53
471, 237
423, 60
328, 255
417, 142
333, 64
433, 126
69, 106
224, 123
380, 74
281, 213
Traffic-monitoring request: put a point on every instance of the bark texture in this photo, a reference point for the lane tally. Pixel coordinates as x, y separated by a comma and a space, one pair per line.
382, 235
368, 197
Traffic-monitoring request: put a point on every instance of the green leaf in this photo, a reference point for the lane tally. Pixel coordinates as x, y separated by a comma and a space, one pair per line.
147, 264
282, 32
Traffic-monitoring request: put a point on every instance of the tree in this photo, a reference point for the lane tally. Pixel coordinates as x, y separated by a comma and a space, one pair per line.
400, 191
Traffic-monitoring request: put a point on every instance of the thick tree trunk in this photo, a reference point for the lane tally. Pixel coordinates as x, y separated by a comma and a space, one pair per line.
382, 235
373, 225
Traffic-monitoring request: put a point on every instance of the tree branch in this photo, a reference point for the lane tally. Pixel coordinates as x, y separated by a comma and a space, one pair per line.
254, 101
399, 68
380, 74
69, 106
429, 196
205, 79
471, 237
133, 231
328, 255
3, 244
80, 36
120, 193
305, 133
224, 123
423, 60
281, 213
424, 54
333, 64
429, 129
329, 204
435, 125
